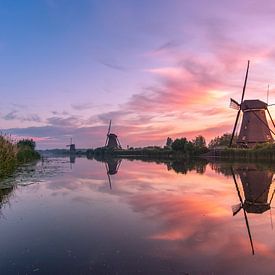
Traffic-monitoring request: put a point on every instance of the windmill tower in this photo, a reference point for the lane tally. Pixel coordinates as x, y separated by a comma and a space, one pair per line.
72, 147
254, 127
112, 139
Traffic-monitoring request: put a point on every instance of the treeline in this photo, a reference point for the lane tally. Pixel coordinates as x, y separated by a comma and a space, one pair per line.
193, 147
182, 148
13, 154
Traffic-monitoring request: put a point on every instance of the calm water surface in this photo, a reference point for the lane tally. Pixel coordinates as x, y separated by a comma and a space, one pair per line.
145, 218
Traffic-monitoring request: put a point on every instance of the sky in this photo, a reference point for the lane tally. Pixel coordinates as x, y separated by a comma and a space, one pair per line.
156, 68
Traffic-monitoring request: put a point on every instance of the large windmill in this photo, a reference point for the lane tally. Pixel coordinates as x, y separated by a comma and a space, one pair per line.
112, 139
254, 126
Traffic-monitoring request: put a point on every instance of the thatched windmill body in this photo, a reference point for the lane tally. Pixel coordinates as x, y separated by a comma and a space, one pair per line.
112, 139
254, 126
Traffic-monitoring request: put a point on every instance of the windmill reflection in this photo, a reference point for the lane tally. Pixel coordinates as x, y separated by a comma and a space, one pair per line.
112, 167
256, 186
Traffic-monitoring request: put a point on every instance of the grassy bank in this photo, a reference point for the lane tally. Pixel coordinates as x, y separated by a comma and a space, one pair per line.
263, 152
13, 154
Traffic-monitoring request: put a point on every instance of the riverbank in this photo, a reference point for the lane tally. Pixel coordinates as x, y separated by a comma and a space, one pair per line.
14, 154
263, 152
150, 152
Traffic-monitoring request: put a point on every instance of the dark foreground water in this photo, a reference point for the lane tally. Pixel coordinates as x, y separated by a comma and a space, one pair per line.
173, 218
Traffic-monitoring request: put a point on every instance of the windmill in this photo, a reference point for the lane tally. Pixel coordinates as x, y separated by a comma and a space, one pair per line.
254, 127
256, 185
72, 147
112, 166
112, 139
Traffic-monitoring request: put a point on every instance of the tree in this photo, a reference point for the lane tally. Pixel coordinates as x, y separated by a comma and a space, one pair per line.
169, 142
199, 142
179, 144
26, 143
223, 140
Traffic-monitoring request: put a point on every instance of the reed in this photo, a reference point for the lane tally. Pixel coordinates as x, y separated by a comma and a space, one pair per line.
13, 154
8, 156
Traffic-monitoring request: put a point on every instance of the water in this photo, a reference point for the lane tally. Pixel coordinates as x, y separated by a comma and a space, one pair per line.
174, 218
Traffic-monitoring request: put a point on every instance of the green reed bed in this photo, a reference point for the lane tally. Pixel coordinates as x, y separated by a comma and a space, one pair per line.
259, 152
13, 154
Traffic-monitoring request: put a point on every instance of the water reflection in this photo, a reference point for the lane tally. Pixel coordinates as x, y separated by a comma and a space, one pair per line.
166, 217
256, 185
5, 194
112, 166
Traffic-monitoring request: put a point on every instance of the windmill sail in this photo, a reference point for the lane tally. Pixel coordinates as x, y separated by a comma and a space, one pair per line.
238, 114
234, 104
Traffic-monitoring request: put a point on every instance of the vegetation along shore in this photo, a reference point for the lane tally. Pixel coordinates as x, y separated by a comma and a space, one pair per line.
182, 148
13, 154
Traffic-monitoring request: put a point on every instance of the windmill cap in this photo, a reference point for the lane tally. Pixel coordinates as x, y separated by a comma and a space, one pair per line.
112, 135
256, 208
253, 104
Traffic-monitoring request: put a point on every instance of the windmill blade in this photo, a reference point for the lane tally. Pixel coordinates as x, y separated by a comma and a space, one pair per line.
272, 196
106, 141
109, 129
270, 117
238, 114
110, 182
108, 175
118, 143
236, 185
236, 208
119, 163
234, 104
234, 128
245, 81
108, 132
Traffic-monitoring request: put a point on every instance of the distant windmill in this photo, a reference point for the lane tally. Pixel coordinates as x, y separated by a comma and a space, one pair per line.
254, 127
72, 146
112, 139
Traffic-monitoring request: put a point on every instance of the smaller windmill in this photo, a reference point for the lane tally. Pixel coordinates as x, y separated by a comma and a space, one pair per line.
72, 147
254, 127
112, 139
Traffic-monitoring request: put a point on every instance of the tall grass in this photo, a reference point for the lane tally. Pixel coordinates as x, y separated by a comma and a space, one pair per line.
8, 156
13, 154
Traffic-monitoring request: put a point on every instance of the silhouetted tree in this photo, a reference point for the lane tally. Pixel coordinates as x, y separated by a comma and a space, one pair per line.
220, 141
179, 144
169, 142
